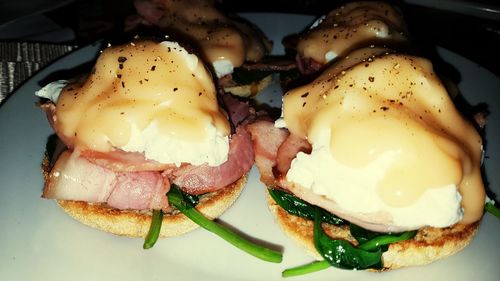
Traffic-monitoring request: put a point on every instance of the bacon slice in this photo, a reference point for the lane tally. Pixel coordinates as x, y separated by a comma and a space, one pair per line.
288, 151
238, 110
266, 141
126, 180
75, 178
123, 161
151, 11
308, 66
139, 191
274, 64
204, 178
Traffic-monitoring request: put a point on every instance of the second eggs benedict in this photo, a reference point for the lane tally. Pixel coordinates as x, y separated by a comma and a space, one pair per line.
226, 41
376, 141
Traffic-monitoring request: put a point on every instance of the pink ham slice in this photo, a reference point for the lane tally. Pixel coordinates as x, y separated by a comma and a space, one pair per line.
238, 111
307, 66
123, 161
130, 181
202, 179
266, 141
151, 11
139, 191
288, 151
75, 178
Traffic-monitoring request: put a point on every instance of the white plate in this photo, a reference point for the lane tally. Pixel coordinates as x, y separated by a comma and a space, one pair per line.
39, 242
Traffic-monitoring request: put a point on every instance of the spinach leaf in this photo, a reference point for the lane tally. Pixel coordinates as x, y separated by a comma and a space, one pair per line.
301, 208
340, 253
337, 252
179, 201
157, 220
492, 209
382, 241
154, 229
362, 235
371, 241
193, 200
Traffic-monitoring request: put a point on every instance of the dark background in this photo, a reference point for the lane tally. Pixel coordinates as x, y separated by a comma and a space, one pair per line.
475, 38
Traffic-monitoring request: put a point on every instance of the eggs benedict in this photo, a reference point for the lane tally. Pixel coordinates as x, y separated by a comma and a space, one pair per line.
227, 42
376, 141
353, 25
145, 118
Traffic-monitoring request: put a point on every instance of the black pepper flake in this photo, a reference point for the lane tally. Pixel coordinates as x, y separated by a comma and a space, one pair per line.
304, 104
121, 113
384, 108
336, 86
123, 84
371, 78
119, 76
200, 93
175, 89
140, 82
153, 68
120, 66
305, 94
122, 59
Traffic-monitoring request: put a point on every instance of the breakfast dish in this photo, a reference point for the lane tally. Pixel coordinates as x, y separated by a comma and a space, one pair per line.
374, 148
344, 29
38, 227
388, 163
230, 44
145, 118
